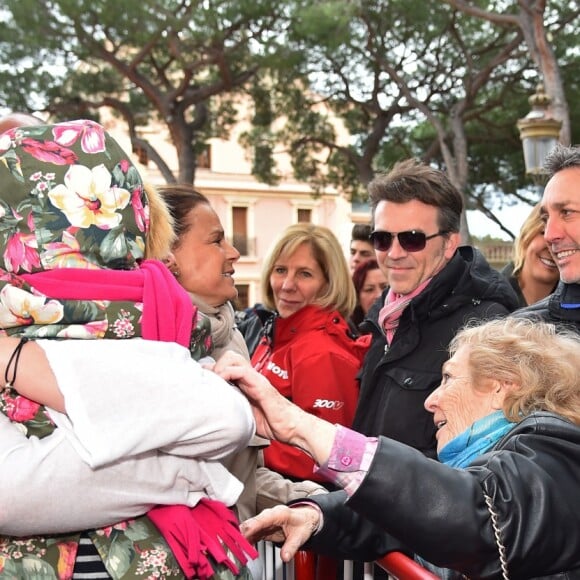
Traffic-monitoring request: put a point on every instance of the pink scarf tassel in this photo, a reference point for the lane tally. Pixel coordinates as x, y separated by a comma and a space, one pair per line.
205, 528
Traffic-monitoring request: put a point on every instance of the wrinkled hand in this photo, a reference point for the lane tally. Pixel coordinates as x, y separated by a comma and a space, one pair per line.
276, 417
291, 525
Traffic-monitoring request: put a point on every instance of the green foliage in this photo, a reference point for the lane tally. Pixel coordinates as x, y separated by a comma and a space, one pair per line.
324, 23
260, 139
180, 62
348, 87
361, 61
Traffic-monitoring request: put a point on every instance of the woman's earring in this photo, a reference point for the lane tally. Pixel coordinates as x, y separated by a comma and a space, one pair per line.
176, 273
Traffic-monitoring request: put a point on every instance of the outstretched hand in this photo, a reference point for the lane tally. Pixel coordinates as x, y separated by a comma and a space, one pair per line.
291, 525
275, 416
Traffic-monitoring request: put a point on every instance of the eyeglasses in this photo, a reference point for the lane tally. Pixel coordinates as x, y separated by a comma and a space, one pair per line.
411, 241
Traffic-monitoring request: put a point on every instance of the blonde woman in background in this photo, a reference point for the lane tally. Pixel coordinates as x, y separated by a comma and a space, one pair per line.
533, 273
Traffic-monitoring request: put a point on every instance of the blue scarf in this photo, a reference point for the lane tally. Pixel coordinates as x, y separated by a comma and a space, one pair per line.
476, 440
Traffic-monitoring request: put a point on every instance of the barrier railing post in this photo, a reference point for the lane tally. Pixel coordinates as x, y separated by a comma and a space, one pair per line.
310, 566
304, 565
402, 567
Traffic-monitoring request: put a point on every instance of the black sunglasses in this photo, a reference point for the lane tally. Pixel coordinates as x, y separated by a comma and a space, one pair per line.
411, 241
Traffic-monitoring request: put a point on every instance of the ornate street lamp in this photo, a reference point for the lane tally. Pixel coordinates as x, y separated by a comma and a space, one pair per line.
539, 133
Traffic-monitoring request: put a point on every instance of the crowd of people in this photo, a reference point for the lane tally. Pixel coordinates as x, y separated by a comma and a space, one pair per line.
409, 398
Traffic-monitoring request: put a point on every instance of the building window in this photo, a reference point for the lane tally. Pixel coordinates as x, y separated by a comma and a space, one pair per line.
239, 223
203, 160
240, 229
243, 299
304, 216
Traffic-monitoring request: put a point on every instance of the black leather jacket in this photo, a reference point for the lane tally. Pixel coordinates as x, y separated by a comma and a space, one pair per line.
532, 476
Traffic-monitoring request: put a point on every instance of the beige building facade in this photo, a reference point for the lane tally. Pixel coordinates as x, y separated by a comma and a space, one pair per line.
253, 214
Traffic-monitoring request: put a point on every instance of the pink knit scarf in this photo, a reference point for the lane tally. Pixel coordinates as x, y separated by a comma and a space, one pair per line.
394, 307
167, 308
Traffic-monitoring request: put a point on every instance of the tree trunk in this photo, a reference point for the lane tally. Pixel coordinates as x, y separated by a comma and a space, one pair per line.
532, 24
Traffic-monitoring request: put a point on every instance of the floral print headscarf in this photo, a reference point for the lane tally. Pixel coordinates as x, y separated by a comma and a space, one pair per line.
71, 200
69, 197
74, 217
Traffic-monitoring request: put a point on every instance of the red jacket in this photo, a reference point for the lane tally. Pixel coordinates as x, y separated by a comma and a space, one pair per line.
313, 361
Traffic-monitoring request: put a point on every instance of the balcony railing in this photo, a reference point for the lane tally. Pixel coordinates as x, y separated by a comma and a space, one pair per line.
498, 255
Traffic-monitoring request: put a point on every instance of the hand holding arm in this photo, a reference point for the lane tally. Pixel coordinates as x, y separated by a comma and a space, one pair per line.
293, 526
276, 417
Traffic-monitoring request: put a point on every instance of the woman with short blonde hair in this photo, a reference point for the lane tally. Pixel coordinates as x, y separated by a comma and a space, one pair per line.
307, 349
542, 361
339, 292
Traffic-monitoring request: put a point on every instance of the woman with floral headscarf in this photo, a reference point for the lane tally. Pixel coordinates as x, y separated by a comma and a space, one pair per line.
74, 219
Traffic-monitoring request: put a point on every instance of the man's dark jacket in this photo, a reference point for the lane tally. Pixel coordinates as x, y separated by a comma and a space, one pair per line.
396, 381
532, 477
561, 308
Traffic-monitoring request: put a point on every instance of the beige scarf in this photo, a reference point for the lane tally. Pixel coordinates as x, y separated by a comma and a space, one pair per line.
224, 332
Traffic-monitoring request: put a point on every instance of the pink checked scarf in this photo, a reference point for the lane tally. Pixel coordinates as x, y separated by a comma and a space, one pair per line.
394, 307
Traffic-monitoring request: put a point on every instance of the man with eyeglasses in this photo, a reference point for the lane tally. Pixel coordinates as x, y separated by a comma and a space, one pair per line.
435, 287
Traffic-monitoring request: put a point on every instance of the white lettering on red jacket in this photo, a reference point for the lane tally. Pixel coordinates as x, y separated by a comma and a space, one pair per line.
276, 370
326, 404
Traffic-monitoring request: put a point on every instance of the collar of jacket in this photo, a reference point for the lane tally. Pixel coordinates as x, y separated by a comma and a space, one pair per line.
467, 277
564, 294
548, 423
309, 318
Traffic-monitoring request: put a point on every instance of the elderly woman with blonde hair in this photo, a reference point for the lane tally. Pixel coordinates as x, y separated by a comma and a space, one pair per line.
503, 501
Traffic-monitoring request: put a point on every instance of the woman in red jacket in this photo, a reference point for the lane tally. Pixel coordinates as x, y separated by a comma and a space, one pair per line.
307, 350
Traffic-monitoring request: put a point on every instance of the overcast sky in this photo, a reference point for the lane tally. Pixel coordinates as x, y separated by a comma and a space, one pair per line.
512, 217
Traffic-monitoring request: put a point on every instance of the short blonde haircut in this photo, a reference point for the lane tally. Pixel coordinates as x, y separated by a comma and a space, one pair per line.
532, 226
543, 360
339, 293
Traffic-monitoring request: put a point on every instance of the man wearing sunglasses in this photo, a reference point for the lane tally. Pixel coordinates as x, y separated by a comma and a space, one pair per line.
435, 287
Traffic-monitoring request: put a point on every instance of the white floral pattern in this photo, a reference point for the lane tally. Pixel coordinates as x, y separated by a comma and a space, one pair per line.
88, 197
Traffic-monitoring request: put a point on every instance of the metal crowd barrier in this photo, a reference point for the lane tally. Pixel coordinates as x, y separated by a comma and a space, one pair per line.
308, 566
400, 566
